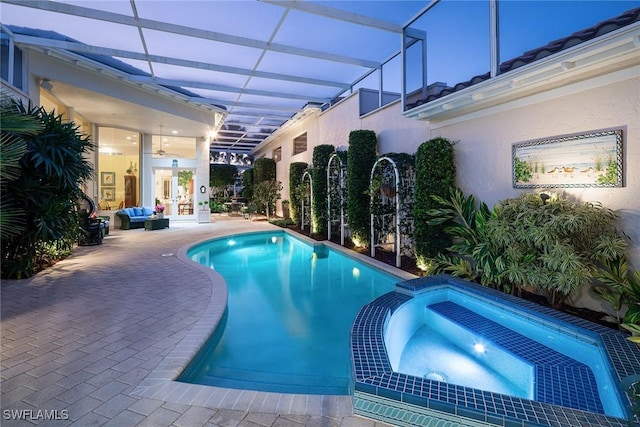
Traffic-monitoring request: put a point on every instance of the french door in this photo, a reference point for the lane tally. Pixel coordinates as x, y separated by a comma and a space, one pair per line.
174, 189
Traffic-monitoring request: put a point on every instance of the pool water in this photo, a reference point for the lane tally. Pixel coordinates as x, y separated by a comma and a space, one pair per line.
289, 313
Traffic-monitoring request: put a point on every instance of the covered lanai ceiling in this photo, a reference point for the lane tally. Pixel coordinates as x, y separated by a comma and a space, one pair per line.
262, 61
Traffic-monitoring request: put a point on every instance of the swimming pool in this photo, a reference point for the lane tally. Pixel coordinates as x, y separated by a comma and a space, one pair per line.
290, 309
557, 369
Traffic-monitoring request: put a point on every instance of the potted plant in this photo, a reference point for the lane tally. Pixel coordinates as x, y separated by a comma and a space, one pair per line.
204, 214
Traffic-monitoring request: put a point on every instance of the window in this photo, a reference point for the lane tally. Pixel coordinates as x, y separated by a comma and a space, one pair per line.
118, 167
300, 144
276, 154
10, 62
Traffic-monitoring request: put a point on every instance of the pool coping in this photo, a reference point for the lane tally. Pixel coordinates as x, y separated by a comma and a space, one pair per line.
161, 383
389, 396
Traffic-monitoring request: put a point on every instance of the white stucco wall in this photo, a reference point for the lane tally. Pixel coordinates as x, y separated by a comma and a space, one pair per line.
483, 153
395, 134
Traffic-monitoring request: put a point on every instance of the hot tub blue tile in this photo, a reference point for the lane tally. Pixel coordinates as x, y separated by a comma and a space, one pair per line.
368, 344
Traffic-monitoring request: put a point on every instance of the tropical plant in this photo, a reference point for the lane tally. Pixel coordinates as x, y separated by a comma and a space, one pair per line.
553, 245
14, 127
52, 172
435, 175
620, 286
471, 255
296, 169
360, 159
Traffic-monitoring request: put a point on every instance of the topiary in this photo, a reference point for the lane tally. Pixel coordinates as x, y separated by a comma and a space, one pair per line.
435, 172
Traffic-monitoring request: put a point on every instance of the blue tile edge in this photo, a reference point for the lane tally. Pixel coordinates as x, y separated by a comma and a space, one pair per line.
373, 373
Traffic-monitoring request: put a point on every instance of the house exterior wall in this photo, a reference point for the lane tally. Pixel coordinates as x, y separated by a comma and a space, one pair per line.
483, 153
395, 134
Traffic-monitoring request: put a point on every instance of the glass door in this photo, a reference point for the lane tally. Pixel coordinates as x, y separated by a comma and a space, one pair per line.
174, 189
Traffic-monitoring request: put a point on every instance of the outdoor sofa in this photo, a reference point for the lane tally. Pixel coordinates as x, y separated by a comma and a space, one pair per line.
133, 217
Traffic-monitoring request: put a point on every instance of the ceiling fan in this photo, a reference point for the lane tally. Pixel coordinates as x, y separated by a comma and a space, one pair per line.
160, 152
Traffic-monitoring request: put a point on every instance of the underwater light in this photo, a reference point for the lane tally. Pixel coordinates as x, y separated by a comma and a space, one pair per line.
274, 239
231, 242
356, 272
479, 348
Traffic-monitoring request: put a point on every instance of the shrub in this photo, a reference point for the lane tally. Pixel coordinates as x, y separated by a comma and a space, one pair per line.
553, 247
296, 169
45, 191
264, 169
435, 172
265, 195
247, 184
360, 159
221, 176
321, 154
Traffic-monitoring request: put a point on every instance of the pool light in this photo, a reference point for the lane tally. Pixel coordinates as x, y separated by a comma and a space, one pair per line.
231, 242
274, 239
356, 272
479, 348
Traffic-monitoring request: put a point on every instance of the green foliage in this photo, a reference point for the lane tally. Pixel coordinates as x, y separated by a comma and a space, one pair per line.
247, 184
383, 199
617, 285
46, 192
264, 169
337, 191
281, 222
321, 154
184, 177
473, 256
553, 247
265, 195
221, 175
216, 207
522, 171
360, 159
435, 173
14, 127
296, 169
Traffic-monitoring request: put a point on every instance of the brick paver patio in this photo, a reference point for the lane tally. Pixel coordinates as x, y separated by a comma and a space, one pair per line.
80, 338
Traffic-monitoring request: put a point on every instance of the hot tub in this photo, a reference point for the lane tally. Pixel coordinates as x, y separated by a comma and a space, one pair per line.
440, 348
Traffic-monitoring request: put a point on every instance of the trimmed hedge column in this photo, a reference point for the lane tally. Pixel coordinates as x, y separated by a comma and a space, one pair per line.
360, 159
435, 175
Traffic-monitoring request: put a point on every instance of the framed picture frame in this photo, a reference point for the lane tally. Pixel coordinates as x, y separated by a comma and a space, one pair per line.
591, 159
107, 178
108, 194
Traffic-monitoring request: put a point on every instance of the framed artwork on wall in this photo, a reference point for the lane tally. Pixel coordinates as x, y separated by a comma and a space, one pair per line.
107, 178
108, 194
591, 159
